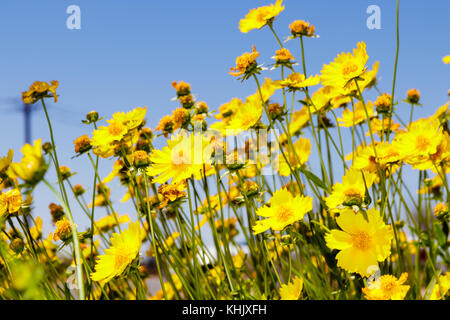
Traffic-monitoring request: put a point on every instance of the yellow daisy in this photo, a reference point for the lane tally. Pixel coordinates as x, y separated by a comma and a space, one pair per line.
351, 191
292, 290
183, 157
362, 243
259, 17
284, 210
387, 287
349, 118
124, 249
345, 67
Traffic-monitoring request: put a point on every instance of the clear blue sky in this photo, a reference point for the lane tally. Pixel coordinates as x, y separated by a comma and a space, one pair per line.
127, 53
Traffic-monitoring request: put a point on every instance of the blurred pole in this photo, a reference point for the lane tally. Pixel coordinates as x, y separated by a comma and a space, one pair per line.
27, 122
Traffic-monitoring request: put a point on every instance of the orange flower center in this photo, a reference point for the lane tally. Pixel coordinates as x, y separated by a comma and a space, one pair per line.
115, 129
422, 143
361, 240
349, 68
284, 213
121, 258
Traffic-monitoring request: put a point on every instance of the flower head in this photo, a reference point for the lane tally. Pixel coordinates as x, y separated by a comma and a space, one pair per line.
245, 64
352, 190
10, 201
259, 17
349, 118
32, 166
292, 290
284, 210
387, 287
362, 243
40, 89
298, 81
123, 250
301, 28
345, 67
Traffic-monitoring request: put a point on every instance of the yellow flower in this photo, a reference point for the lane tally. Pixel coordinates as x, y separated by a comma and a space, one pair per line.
444, 281
106, 138
301, 28
345, 67
349, 118
413, 96
284, 210
10, 201
302, 149
31, 164
283, 55
300, 119
237, 116
292, 291
259, 17
124, 249
446, 59
36, 231
362, 243
419, 142
381, 126
245, 63
40, 89
327, 97
298, 81
183, 157
82, 144
6, 161
171, 192
351, 191
63, 230
108, 222
387, 287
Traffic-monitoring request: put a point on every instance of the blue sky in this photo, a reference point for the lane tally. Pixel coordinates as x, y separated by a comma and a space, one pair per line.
127, 53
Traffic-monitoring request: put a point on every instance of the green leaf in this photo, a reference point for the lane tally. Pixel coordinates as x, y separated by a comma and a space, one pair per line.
317, 181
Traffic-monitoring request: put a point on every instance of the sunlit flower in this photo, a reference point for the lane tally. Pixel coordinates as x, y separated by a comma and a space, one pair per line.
31, 166
352, 190
284, 210
387, 287
419, 142
123, 250
298, 81
446, 59
295, 159
10, 201
171, 192
292, 290
40, 89
110, 221
345, 67
183, 157
444, 287
301, 28
246, 63
362, 243
82, 144
349, 118
63, 230
259, 17
413, 96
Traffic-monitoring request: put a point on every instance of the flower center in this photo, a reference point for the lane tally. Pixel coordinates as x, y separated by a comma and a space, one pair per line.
115, 129
361, 240
349, 68
284, 213
422, 143
121, 258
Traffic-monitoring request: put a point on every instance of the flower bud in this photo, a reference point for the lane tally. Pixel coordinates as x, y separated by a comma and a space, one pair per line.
17, 245
92, 116
413, 96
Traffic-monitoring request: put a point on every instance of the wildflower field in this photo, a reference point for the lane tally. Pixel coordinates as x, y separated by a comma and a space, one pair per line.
300, 191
